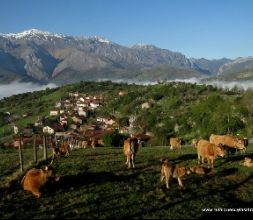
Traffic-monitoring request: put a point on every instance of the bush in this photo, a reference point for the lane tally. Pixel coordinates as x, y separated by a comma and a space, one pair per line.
114, 139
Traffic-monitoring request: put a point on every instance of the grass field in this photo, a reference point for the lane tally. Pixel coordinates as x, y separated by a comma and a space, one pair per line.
96, 184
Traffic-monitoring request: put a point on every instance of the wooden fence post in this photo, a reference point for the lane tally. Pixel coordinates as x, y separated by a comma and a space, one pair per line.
34, 148
44, 147
20, 155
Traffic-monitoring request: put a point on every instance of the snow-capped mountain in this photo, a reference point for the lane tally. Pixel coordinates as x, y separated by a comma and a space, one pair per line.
33, 33
44, 56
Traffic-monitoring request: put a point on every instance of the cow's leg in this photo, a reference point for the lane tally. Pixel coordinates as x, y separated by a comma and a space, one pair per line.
36, 193
203, 160
162, 177
198, 159
129, 161
211, 161
126, 160
167, 180
180, 182
133, 159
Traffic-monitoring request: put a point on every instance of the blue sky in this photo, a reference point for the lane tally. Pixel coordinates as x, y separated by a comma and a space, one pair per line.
196, 28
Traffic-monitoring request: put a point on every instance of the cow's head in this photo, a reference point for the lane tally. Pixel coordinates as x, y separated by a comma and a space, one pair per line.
220, 150
50, 174
195, 142
241, 145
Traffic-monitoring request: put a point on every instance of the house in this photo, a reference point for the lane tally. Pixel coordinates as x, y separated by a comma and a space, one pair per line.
85, 127
48, 130
82, 113
73, 126
57, 128
28, 131
81, 99
15, 129
94, 105
145, 105
77, 120
58, 104
122, 93
82, 104
107, 120
63, 120
53, 113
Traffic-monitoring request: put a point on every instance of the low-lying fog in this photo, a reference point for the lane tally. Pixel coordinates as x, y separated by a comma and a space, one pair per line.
20, 87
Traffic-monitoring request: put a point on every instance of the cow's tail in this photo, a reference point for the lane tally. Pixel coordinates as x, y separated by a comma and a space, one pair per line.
132, 147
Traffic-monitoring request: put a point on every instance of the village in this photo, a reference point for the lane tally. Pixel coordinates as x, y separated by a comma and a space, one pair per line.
74, 119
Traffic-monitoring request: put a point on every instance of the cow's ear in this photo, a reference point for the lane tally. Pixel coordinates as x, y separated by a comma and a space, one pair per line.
162, 159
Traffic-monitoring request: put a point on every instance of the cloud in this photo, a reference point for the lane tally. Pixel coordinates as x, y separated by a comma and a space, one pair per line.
242, 85
19, 87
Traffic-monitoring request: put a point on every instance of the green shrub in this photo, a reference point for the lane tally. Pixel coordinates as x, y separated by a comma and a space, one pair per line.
114, 139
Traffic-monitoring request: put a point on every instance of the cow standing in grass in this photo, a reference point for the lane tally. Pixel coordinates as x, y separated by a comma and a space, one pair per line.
169, 171
229, 142
61, 150
130, 149
209, 151
175, 143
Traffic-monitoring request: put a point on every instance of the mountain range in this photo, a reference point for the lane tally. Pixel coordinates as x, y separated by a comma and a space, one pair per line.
43, 57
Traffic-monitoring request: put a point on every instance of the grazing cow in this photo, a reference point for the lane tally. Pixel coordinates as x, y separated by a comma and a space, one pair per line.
62, 150
130, 149
175, 143
229, 142
169, 171
209, 151
248, 162
35, 179
199, 170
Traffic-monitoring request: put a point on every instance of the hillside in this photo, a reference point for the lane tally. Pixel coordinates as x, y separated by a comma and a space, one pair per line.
181, 109
95, 182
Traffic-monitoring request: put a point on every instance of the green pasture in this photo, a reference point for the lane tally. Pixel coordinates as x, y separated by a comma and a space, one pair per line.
96, 184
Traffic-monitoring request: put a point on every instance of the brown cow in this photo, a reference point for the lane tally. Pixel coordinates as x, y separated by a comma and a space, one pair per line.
228, 141
175, 143
35, 179
62, 150
169, 171
208, 151
130, 149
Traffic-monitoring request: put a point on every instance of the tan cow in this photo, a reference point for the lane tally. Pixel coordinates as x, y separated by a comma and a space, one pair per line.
199, 170
228, 141
195, 142
248, 162
175, 143
169, 171
208, 151
130, 149
35, 179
